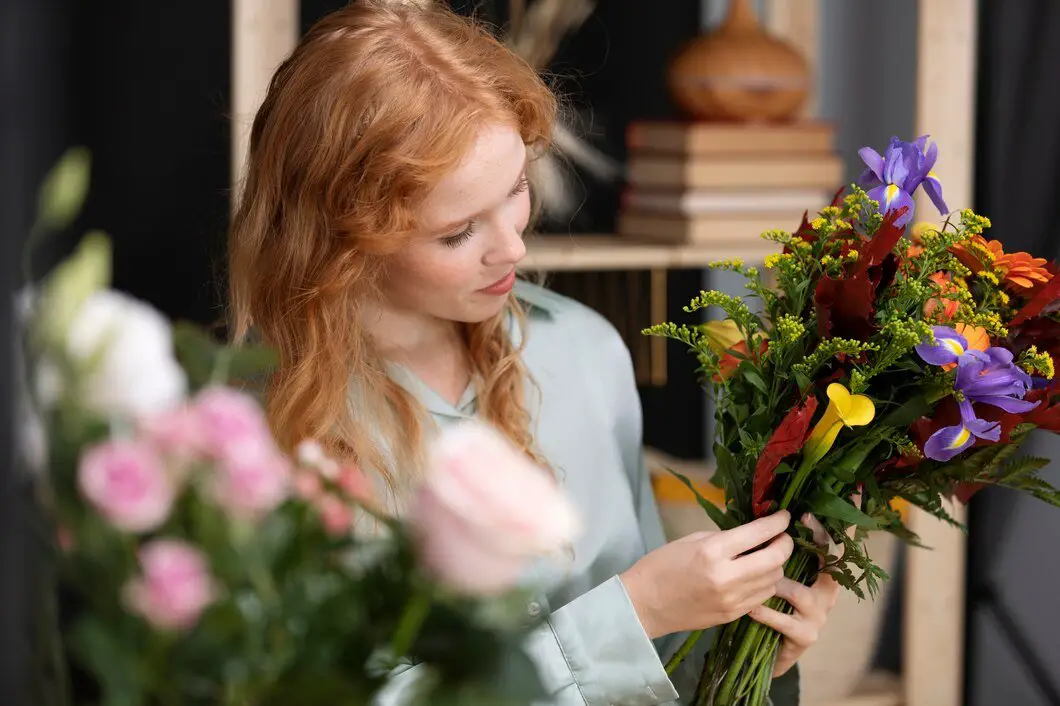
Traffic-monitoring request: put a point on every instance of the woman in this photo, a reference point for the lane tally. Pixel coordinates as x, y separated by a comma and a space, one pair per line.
376, 246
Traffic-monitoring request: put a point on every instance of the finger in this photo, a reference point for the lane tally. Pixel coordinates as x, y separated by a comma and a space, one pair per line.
794, 630
820, 534
801, 598
765, 560
827, 589
756, 600
754, 534
760, 584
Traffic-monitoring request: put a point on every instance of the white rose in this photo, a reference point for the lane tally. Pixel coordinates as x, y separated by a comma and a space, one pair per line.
136, 373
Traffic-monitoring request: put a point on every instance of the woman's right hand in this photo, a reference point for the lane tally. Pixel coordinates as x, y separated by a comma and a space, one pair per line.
709, 578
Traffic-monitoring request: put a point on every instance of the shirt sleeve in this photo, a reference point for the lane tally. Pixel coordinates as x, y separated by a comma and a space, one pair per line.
630, 434
591, 652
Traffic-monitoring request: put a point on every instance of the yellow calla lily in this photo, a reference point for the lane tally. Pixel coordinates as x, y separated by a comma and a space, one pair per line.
722, 335
844, 410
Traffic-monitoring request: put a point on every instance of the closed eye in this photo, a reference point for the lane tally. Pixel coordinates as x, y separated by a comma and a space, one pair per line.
458, 239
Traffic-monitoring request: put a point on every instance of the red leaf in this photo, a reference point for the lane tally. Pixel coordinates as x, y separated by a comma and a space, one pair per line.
882, 242
1045, 296
785, 440
965, 491
845, 306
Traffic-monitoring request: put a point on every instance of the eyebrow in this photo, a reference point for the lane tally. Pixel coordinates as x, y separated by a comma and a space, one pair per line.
461, 221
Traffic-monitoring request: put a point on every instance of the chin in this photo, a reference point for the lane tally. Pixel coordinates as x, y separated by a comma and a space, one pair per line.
477, 314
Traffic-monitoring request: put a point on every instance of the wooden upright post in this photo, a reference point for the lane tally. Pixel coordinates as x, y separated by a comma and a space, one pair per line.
933, 650
264, 32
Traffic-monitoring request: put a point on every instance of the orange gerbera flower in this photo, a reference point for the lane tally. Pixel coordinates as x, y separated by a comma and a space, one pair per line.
940, 309
1019, 271
977, 337
1023, 273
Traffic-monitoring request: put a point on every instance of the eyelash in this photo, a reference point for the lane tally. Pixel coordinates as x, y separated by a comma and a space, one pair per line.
455, 241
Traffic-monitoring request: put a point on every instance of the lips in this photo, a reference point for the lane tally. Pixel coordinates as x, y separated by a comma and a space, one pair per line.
501, 286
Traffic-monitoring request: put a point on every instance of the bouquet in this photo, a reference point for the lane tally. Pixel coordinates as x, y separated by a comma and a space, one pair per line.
879, 364
198, 564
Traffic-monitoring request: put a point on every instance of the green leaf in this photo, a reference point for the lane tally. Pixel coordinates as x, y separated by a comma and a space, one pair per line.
782, 468
64, 189
755, 379
71, 282
716, 514
907, 413
112, 661
196, 351
205, 359
851, 464
246, 362
802, 381
725, 464
826, 504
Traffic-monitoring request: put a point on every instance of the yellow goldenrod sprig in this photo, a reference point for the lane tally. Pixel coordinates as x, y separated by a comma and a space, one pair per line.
829, 348
1037, 363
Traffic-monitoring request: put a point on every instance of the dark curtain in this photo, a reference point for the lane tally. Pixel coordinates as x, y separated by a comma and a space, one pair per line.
34, 131
1013, 652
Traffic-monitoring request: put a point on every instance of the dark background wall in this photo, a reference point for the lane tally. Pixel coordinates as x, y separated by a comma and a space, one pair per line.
1013, 653
145, 86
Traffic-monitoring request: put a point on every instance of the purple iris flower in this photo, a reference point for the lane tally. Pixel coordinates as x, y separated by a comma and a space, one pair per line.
987, 377
893, 178
948, 348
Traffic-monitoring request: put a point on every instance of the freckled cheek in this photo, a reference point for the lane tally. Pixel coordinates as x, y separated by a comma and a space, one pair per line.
444, 270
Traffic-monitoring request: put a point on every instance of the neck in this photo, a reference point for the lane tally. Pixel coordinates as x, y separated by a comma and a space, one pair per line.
403, 336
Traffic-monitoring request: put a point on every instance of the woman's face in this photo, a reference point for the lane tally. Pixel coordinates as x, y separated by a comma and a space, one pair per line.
463, 266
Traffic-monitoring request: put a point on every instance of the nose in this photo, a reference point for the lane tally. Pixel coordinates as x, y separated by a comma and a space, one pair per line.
508, 248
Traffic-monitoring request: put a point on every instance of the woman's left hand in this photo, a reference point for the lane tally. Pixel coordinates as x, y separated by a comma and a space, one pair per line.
811, 605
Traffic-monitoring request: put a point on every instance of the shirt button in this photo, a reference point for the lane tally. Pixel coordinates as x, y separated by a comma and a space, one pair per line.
533, 609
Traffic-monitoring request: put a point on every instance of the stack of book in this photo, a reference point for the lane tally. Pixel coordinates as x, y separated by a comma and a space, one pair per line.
720, 183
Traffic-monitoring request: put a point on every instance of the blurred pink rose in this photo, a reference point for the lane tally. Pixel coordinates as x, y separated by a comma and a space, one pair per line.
178, 432
310, 453
231, 422
485, 510
307, 485
127, 482
355, 484
175, 586
335, 514
252, 481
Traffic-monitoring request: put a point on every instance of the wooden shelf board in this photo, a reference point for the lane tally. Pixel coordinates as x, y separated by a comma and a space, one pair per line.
598, 252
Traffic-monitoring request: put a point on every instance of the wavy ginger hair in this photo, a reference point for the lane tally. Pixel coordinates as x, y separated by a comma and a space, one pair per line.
376, 104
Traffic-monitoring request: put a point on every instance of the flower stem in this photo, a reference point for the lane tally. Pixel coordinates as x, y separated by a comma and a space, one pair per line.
795, 484
683, 650
409, 626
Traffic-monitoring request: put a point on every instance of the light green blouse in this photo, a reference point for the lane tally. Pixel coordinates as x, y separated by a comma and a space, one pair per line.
592, 651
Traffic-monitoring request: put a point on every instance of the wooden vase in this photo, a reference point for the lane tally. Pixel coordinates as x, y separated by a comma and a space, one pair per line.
739, 73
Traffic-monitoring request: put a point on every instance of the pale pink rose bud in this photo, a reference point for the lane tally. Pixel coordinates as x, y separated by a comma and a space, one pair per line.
335, 515
252, 482
307, 485
485, 510
127, 483
178, 433
311, 453
231, 420
355, 483
175, 585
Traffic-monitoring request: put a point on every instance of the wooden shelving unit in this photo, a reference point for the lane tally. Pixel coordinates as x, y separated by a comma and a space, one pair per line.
600, 252
264, 31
